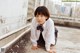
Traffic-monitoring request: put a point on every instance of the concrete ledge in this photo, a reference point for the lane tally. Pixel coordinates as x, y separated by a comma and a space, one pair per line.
7, 42
70, 22
10, 33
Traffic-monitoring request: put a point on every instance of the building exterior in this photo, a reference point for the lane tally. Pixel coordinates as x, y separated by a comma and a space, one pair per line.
15, 16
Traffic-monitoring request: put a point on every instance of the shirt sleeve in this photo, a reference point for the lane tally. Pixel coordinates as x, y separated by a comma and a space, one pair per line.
50, 37
33, 34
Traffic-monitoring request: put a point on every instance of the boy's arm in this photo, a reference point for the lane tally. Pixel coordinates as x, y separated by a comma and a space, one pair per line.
33, 34
47, 45
50, 36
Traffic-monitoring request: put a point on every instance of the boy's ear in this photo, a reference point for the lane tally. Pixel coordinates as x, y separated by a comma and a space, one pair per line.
46, 18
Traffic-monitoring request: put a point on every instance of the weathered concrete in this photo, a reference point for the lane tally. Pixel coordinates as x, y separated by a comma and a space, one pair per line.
11, 38
66, 21
68, 42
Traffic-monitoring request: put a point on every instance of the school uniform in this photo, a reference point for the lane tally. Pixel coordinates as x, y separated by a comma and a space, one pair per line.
47, 34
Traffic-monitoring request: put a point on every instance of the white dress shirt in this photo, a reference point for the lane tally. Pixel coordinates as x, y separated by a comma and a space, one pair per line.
48, 33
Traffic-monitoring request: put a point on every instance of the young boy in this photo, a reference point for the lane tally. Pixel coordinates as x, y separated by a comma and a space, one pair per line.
42, 30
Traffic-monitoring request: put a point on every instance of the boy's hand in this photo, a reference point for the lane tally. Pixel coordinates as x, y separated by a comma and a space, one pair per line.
50, 51
34, 47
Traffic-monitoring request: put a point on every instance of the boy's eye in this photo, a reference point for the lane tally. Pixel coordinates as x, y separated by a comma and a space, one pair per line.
41, 15
36, 15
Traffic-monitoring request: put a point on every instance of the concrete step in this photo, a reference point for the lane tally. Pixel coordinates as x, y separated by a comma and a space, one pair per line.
7, 40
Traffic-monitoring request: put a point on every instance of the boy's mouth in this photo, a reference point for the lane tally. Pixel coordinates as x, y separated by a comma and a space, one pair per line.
39, 21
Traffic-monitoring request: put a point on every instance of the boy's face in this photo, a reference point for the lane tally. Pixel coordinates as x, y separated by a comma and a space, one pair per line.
41, 19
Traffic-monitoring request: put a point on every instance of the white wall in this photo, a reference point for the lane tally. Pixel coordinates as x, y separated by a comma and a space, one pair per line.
13, 14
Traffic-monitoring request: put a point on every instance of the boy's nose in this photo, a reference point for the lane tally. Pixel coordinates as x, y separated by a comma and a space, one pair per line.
39, 18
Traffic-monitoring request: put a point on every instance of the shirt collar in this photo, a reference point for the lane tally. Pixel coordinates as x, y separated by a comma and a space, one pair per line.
43, 24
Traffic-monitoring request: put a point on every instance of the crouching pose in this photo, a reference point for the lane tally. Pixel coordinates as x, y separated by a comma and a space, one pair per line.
43, 30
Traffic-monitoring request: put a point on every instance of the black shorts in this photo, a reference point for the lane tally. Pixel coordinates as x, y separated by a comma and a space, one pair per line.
41, 41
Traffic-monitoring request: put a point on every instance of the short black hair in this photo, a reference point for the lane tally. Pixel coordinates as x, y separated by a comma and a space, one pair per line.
42, 10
